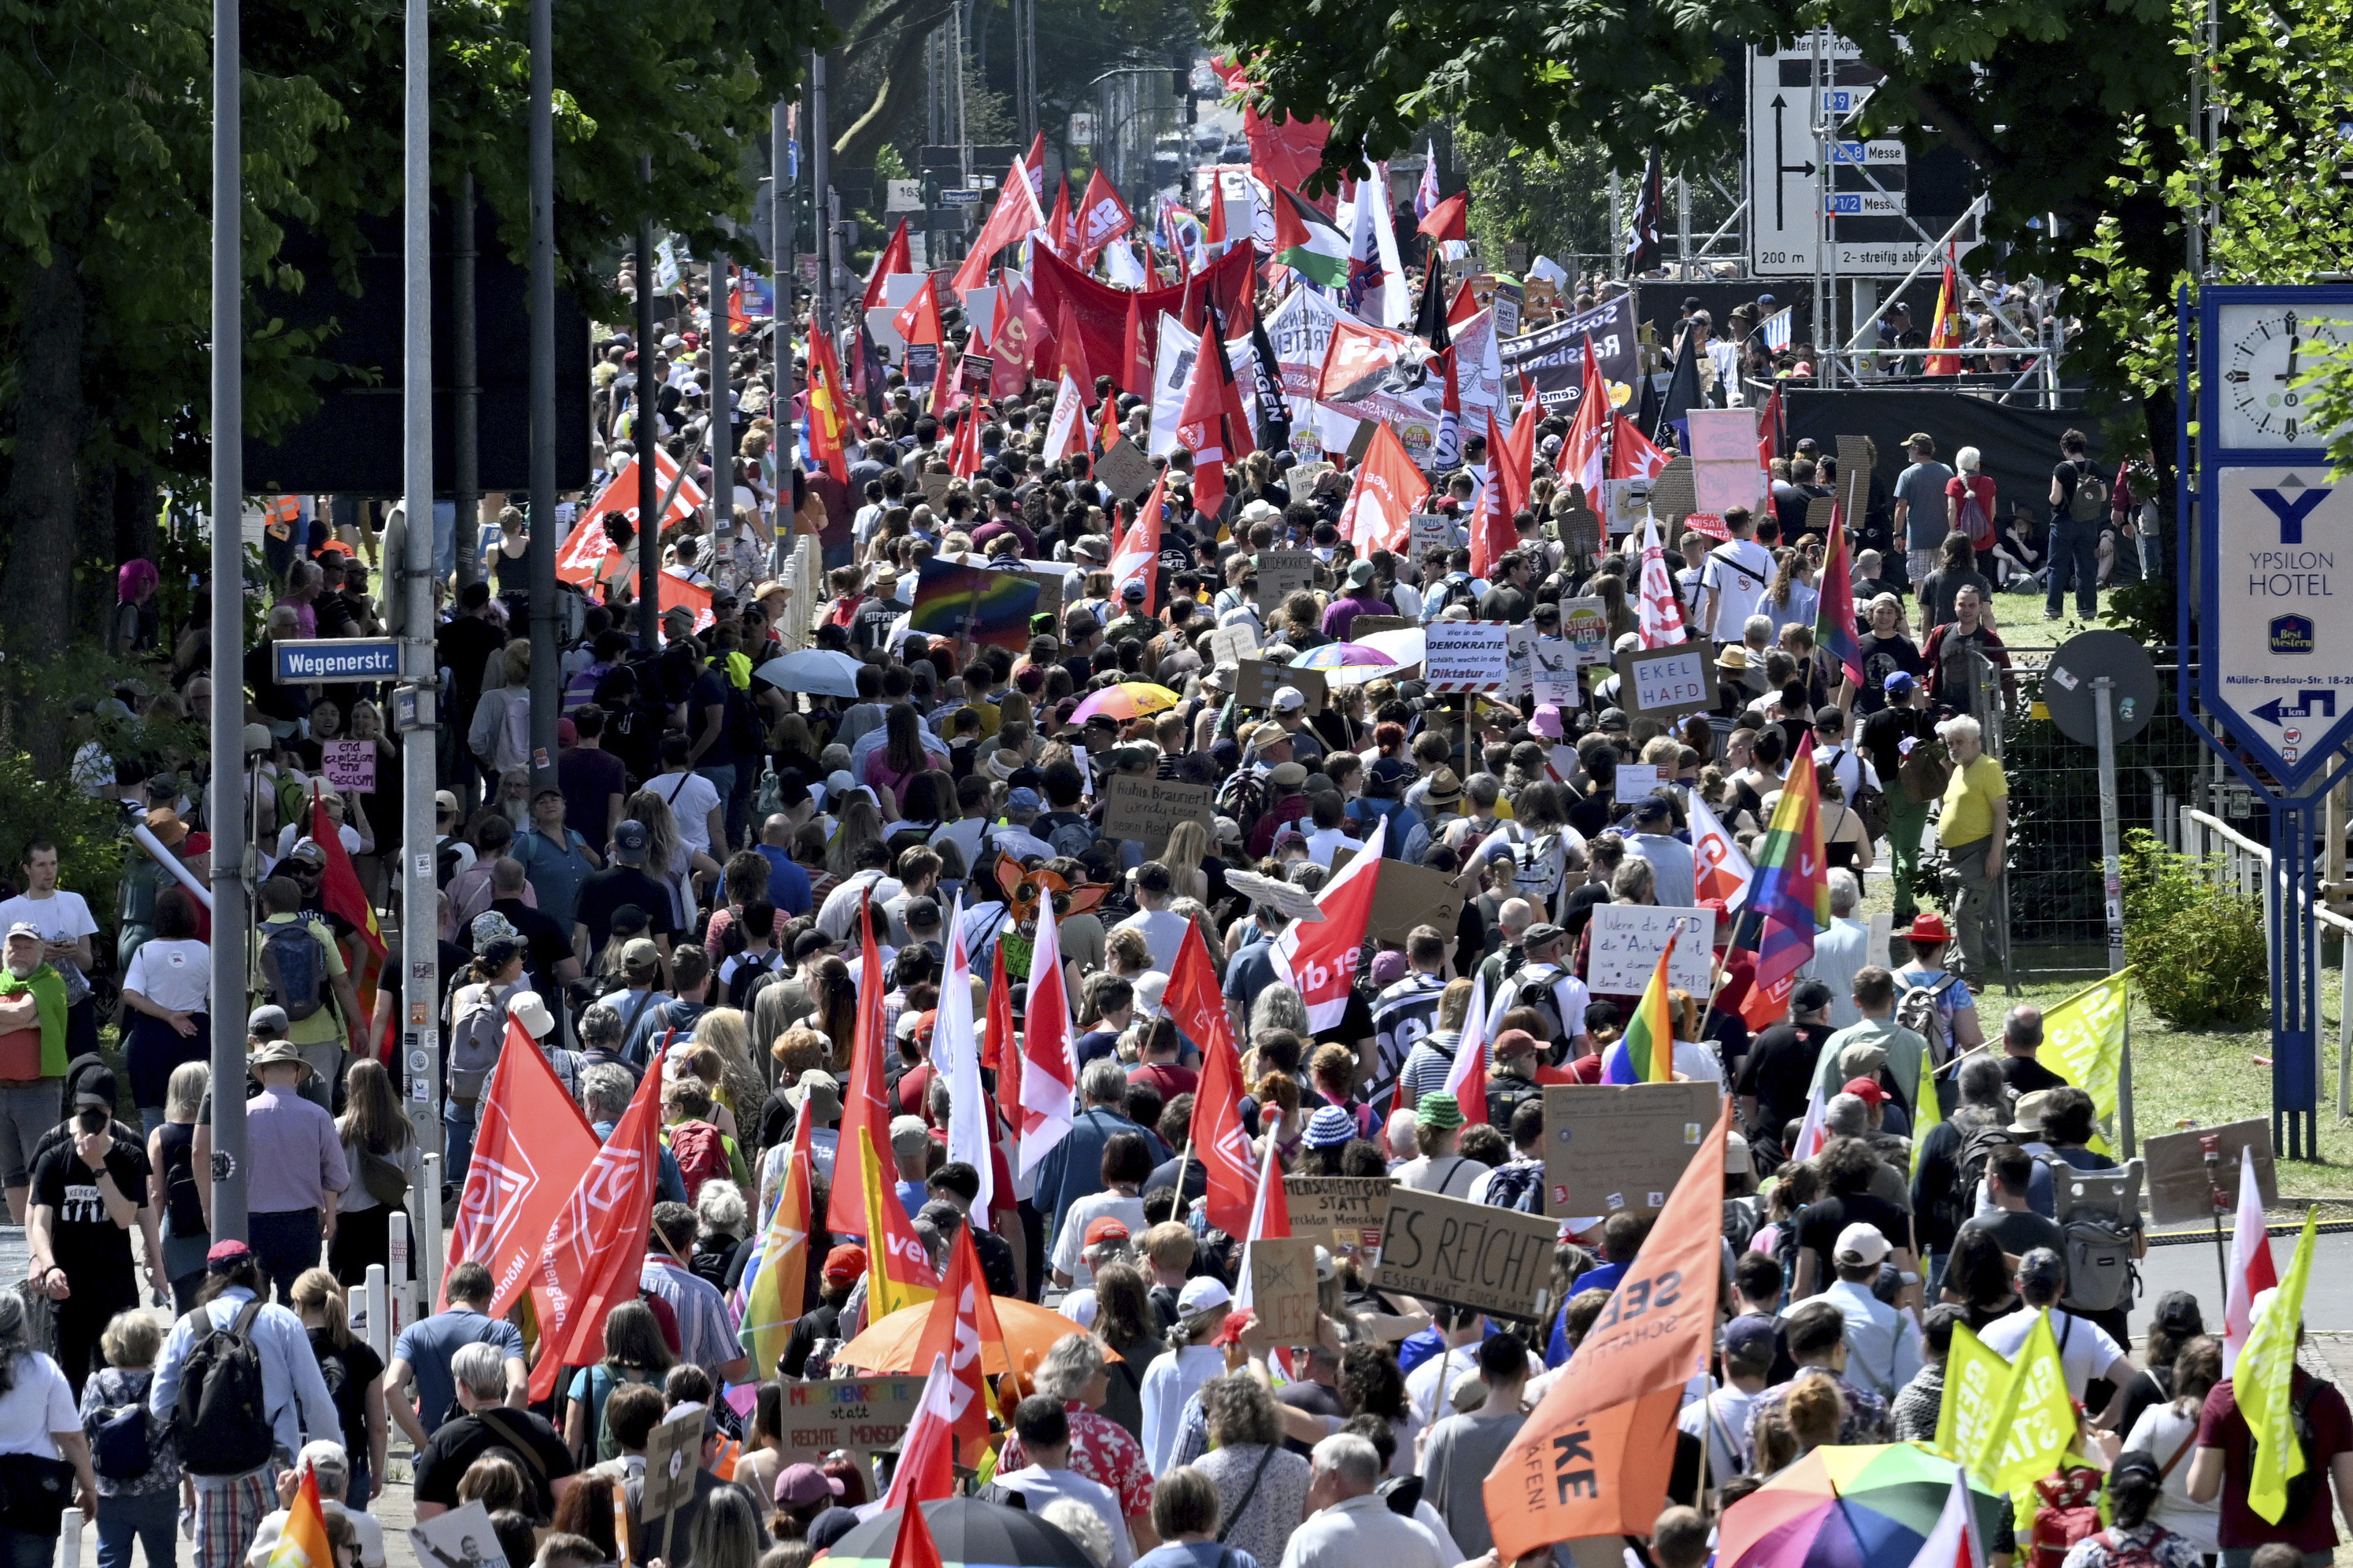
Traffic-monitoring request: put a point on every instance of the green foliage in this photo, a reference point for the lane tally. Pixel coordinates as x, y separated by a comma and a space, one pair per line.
2196, 949
1556, 201
85, 828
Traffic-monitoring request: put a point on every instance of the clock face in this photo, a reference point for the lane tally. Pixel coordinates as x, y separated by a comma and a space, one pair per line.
2263, 350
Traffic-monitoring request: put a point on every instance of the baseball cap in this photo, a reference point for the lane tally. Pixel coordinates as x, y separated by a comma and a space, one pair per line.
95, 1087
445, 800
1898, 681
631, 840
264, 1023
2179, 1314
1133, 594
1866, 1089
1022, 800
1360, 575
1203, 1294
225, 1256
26, 927
1388, 967
639, 954
1750, 1332
1290, 698
797, 1486
1104, 1227
1862, 1243
845, 1262
1540, 933
811, 943
908, 1135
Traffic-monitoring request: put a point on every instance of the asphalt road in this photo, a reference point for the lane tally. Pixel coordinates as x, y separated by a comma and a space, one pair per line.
2191, 1265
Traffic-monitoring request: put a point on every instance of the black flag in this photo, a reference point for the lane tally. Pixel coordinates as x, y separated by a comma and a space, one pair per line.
1642, 246
1430, 325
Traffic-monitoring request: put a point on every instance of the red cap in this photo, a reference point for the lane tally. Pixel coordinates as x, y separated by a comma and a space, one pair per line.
1866, 1089
1105, 1229
845, 1262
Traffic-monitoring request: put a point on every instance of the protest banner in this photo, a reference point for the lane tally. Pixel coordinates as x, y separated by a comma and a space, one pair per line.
349, 764
1257, 680
1491, 1260
1124, 470
1282, 1291
1390, 377
1666, 682
1465, 656
1627, 939
1148, 810
1282, 573
1346, 1208
863, 1414
1609, 1147
1554, 357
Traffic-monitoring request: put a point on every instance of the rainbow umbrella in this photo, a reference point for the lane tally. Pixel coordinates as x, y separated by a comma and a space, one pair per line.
1863, 1506
1341, 655
1128, 700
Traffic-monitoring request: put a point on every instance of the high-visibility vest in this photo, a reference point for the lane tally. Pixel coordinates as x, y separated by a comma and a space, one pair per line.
284, 513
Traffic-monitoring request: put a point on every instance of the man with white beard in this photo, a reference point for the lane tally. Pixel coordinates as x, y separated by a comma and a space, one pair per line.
32, 1058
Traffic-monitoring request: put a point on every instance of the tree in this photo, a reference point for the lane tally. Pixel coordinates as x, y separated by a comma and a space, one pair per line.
106, 174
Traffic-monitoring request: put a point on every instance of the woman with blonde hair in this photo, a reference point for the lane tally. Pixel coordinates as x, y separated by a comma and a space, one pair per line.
1192, 908
859, 823
381, 1152
353, 1372
667, 860
175, 1191
727, 1033
1190, 851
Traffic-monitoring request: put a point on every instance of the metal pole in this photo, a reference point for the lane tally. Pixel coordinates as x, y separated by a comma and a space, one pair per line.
420, 922
2112, 883
645, 428
780, 224
820, 188
1683, 222
722, 439
231, 918
546, 679
465, 445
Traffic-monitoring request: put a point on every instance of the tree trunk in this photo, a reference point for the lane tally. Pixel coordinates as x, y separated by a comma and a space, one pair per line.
45, 489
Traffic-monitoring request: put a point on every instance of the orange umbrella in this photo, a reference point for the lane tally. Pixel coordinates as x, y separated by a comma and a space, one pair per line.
1030, 1331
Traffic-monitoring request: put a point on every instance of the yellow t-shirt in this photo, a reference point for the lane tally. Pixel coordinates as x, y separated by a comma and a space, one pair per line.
1969, 798
324, 1026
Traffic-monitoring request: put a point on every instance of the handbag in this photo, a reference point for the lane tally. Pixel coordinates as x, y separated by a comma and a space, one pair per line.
35, 1491
385, 1181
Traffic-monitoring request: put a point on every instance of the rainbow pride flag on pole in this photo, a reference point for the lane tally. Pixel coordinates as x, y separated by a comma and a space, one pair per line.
1646, 1052
1791, 899
1834, 615
972, 604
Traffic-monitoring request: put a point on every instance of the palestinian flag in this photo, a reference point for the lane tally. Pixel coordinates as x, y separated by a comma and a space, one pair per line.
1307, 242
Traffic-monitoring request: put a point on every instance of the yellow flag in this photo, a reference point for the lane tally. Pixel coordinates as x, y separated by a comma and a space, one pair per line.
1927, 1114
1977, 1384
2037, 1420
2264, 1380
2084, 1042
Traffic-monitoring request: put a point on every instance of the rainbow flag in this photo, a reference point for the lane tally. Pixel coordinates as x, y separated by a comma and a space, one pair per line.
1646, 1052
1790, 900
1834, 611
972, 604
768, 1301
302, 1540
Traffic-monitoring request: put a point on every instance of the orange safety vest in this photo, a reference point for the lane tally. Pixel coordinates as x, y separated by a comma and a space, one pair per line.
283, 514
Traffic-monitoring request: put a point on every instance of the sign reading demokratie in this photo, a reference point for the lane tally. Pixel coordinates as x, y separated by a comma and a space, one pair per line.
1443, 1249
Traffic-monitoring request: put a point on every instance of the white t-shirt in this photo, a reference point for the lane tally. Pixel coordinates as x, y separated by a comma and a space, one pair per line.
2085, 1347
1737, 574
1071, 1230
691, 797
176, 975
1163, 933
39, 1402
1041, 1487
61, 917
1324, 842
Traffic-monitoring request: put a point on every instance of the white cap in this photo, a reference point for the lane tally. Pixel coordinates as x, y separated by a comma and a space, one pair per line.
1859, 1244
1202, 1294
1288, 699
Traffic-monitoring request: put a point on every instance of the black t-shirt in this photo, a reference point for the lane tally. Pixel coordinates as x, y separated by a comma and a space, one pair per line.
2021, 1231
2025, 1075
609, 889
464, 644
1882, 657
89, 1246
590, 778
1818, 1227
2067, 476
462, 1439
1883, 734
1780, 1068
710, 692
546, 945
1942, 587
349, 1373
1503, 602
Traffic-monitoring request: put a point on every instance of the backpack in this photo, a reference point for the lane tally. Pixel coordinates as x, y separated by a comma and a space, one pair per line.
124, 1449
702, 1154
2067, 1511
2100, 1271
1869, 800
1917, 1011
1070, 836
293, 969
222, 1420
1517, 1185
745, 735
1538, 864
1972, 520
749, 977
2304, 1492
1977, 1151
475, 1043
1532, 987
1455, 590
2089, 502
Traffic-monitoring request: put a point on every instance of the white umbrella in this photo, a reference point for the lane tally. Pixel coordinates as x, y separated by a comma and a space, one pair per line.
813, 669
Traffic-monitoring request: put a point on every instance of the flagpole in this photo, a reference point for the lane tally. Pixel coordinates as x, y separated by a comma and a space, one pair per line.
1176, 1204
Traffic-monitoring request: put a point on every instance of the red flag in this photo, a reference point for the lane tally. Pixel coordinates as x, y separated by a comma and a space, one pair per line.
913, 1547
1388, 490
1004, 1058
828, 404
1492, 534
1033, 163
1466, 305
1769, 431
897, 257
531, 1148
1135, 370
1582, 459
1058, 222
944, 396
1107, 422
964, 458
1016, 213
1212, 425
1070, 352
1197, 1005
918, 320
1320, 957
1050, 1072
595, 1249
1019, 342
927, 1467
1102, 218
1136, 552
339, 888
961, 1320
864, 1108
1216, 231
1449, 219
1596, 1450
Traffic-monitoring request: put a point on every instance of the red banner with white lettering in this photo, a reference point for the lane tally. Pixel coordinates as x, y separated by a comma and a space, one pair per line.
531, 1148
596, 1248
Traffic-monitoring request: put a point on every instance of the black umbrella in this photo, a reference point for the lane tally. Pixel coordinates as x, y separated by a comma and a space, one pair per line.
968, 1531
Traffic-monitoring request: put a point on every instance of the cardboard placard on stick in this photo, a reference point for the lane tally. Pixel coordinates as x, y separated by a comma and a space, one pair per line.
1818, 515
1127, 470
1282, 1290
1857, 456
1282, 573
673, 1455
863, 1414
1148, 810
935, 487
1627, 941
1257, 680
461, 1538
1666, 682
2181, 1184
1609, 1147
1672, 496
1408, 896
1493, 1260
1232, 645
1348, 1210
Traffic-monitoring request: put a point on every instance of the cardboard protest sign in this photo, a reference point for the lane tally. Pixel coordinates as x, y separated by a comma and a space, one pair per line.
1124, 470
1579, 524
673, 1456
1609, 1147
1465, 656
1666, 682
1586, 623
2179, 1186
349, 764
1048, 575
863, 1414
1232, 645
1635, 780
1148, 810
935, 487
1672, 495
1282, 573
1364, 626
1430, 530
1282, 1290
1257, 680
1347, 1209
461, 1538
1627, 940
1856, 457
1819, 511
1493, 1260
1408, 896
